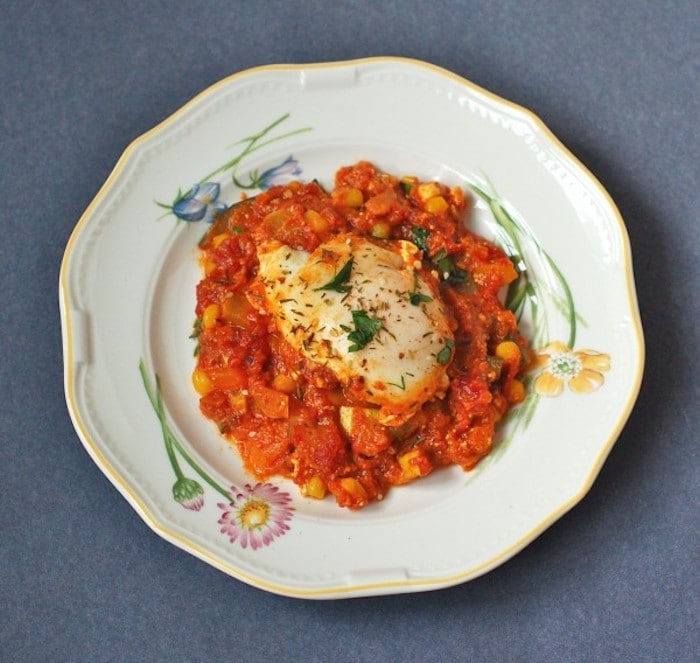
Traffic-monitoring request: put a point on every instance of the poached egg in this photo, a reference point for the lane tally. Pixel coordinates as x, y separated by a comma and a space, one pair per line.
361, 309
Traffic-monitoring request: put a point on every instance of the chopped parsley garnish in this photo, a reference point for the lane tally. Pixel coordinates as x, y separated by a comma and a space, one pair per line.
448, 270
338, 282
237, 229
318, 184
444, 356
420, 238
196, 328
400, 385
418, 297
196, 332
405, 187
365, 330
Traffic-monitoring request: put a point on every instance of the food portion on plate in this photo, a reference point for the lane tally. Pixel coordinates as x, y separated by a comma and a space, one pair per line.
353, 340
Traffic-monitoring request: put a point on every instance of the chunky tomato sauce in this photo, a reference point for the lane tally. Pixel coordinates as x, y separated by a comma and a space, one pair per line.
287, 414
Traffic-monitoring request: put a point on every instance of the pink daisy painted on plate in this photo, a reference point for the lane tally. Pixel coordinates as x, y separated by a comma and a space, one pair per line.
256, 515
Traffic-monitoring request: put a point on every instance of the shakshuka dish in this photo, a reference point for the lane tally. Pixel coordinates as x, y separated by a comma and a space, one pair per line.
353, 340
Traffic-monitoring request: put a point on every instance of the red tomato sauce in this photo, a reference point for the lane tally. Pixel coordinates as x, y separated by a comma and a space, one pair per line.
282, 410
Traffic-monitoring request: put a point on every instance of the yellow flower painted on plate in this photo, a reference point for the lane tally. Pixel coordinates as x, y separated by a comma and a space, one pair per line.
559, 365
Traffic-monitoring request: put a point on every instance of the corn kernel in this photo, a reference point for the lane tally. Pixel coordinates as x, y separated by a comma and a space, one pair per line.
516, 392
354, 487
508, 351
209, 266
348, 197
275, 220
318, 224
409, 470
210, 316
428, 190
436, 205
238, 402
284, 383
201, 382
315, 488
219, 239
381, 230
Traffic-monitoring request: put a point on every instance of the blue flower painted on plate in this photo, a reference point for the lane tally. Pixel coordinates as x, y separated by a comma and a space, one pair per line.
200, 203
284, 173
279, 175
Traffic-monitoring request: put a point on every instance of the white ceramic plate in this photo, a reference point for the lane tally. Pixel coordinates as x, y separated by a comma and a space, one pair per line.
127, 300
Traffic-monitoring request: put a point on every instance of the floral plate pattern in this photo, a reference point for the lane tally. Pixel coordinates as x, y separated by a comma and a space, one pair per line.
128, 355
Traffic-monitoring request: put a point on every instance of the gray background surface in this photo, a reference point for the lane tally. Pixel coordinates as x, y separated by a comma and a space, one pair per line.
82, 578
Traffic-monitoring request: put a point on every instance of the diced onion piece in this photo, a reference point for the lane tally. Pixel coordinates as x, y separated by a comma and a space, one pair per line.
382, 203
270, 402
381, 230
227, 379
235, 310
428, 190
409, 468
238, 402
354, 488
284, 383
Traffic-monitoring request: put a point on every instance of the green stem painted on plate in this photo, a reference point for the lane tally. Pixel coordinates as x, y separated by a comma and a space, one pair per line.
252, 145
570, 308
525, 292
194, 465
155, 397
